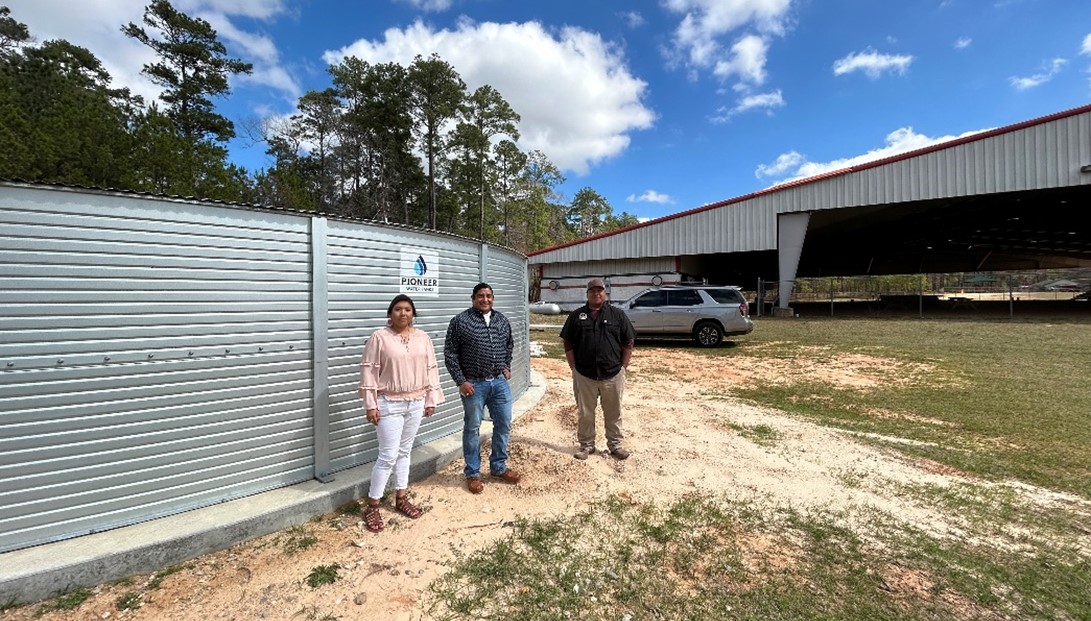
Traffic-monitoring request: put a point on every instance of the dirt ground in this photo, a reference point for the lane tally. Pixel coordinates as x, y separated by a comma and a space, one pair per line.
678, 417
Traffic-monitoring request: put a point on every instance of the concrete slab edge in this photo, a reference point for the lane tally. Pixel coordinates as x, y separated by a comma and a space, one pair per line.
49, 570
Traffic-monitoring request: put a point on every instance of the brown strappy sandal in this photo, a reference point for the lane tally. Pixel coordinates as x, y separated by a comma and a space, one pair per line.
406, 508
372, 520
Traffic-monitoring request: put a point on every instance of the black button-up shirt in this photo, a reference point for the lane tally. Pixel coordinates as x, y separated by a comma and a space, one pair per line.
475, 350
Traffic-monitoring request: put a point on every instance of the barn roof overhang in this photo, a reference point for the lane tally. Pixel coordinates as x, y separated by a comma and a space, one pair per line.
1039, 228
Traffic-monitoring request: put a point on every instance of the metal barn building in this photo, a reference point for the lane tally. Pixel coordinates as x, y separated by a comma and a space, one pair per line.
1017, 197
159, 355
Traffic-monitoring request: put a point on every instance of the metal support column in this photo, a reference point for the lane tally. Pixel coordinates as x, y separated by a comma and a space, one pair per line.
483, 268
791, 230
320, 382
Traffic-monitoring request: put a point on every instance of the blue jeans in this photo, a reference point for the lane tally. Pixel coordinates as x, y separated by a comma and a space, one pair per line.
494, 394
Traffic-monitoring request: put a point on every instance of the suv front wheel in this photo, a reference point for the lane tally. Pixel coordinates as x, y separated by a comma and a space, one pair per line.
708, 334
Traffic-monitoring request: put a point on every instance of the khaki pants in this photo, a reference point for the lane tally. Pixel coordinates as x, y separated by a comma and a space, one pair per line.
589, 392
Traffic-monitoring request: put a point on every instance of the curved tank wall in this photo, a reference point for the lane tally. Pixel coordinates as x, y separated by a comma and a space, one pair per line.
159, 355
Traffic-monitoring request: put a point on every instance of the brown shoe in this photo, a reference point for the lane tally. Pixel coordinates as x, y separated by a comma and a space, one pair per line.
507, 476
474, 485
619, 453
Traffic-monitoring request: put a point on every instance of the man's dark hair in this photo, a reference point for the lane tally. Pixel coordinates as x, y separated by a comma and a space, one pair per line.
479, 287
401, 297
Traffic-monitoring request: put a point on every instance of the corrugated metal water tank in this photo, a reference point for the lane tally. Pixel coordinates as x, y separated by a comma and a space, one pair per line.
160, 355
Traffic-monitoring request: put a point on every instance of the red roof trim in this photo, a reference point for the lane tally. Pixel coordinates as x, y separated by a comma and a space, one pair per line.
835, 173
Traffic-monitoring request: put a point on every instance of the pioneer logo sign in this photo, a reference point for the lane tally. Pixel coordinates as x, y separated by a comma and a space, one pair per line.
419, 273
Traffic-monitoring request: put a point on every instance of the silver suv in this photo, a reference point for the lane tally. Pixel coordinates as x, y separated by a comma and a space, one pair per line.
706, 314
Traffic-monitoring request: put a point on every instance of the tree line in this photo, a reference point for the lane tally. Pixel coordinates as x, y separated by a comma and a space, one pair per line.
409, 145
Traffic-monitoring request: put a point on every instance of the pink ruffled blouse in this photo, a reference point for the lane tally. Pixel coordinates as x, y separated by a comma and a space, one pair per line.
400, 371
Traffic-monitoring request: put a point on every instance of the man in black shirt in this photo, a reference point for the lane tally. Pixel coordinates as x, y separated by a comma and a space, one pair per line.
598, 343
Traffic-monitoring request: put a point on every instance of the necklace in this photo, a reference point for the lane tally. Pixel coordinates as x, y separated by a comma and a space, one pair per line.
404, 336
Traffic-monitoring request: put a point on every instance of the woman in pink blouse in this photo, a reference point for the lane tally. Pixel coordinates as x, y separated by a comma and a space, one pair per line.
399, 382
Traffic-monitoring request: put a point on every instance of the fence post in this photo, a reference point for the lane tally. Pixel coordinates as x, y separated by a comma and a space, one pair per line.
920, 297
1011, 300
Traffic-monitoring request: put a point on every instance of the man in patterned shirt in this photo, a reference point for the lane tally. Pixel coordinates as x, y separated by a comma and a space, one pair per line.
477, 354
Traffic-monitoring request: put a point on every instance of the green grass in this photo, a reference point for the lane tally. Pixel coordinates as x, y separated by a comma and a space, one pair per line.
1013, 396
312, 613
157, 580
295, 540
323, 574
128, 601
68, 601
1003, 400
351, 508
762, 435
1000, 513
713, 559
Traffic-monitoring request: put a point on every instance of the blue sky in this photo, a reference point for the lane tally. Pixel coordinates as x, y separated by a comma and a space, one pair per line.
660, 106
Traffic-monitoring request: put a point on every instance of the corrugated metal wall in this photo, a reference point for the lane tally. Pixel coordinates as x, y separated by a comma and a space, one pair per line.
589, 269
1039, 156
624, 279
358, 298
162, 355
508, 278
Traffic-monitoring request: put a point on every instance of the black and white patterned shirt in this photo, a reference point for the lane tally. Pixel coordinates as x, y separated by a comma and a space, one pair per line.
474, 349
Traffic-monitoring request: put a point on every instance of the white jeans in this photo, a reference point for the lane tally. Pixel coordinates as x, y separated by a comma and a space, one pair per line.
397, 428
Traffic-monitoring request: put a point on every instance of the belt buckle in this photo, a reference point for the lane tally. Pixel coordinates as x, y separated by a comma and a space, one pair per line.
489, 378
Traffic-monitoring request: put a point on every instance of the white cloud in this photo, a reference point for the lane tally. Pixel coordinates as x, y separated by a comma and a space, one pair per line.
256, 9
576, 96
1046, 74
253, 47
872, 63
1086, 47
784, 163
899, 141
258, 50
430, 6
633, 19
650, 196
768, 101
97, 27
747, 60
696, 39
963, 42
